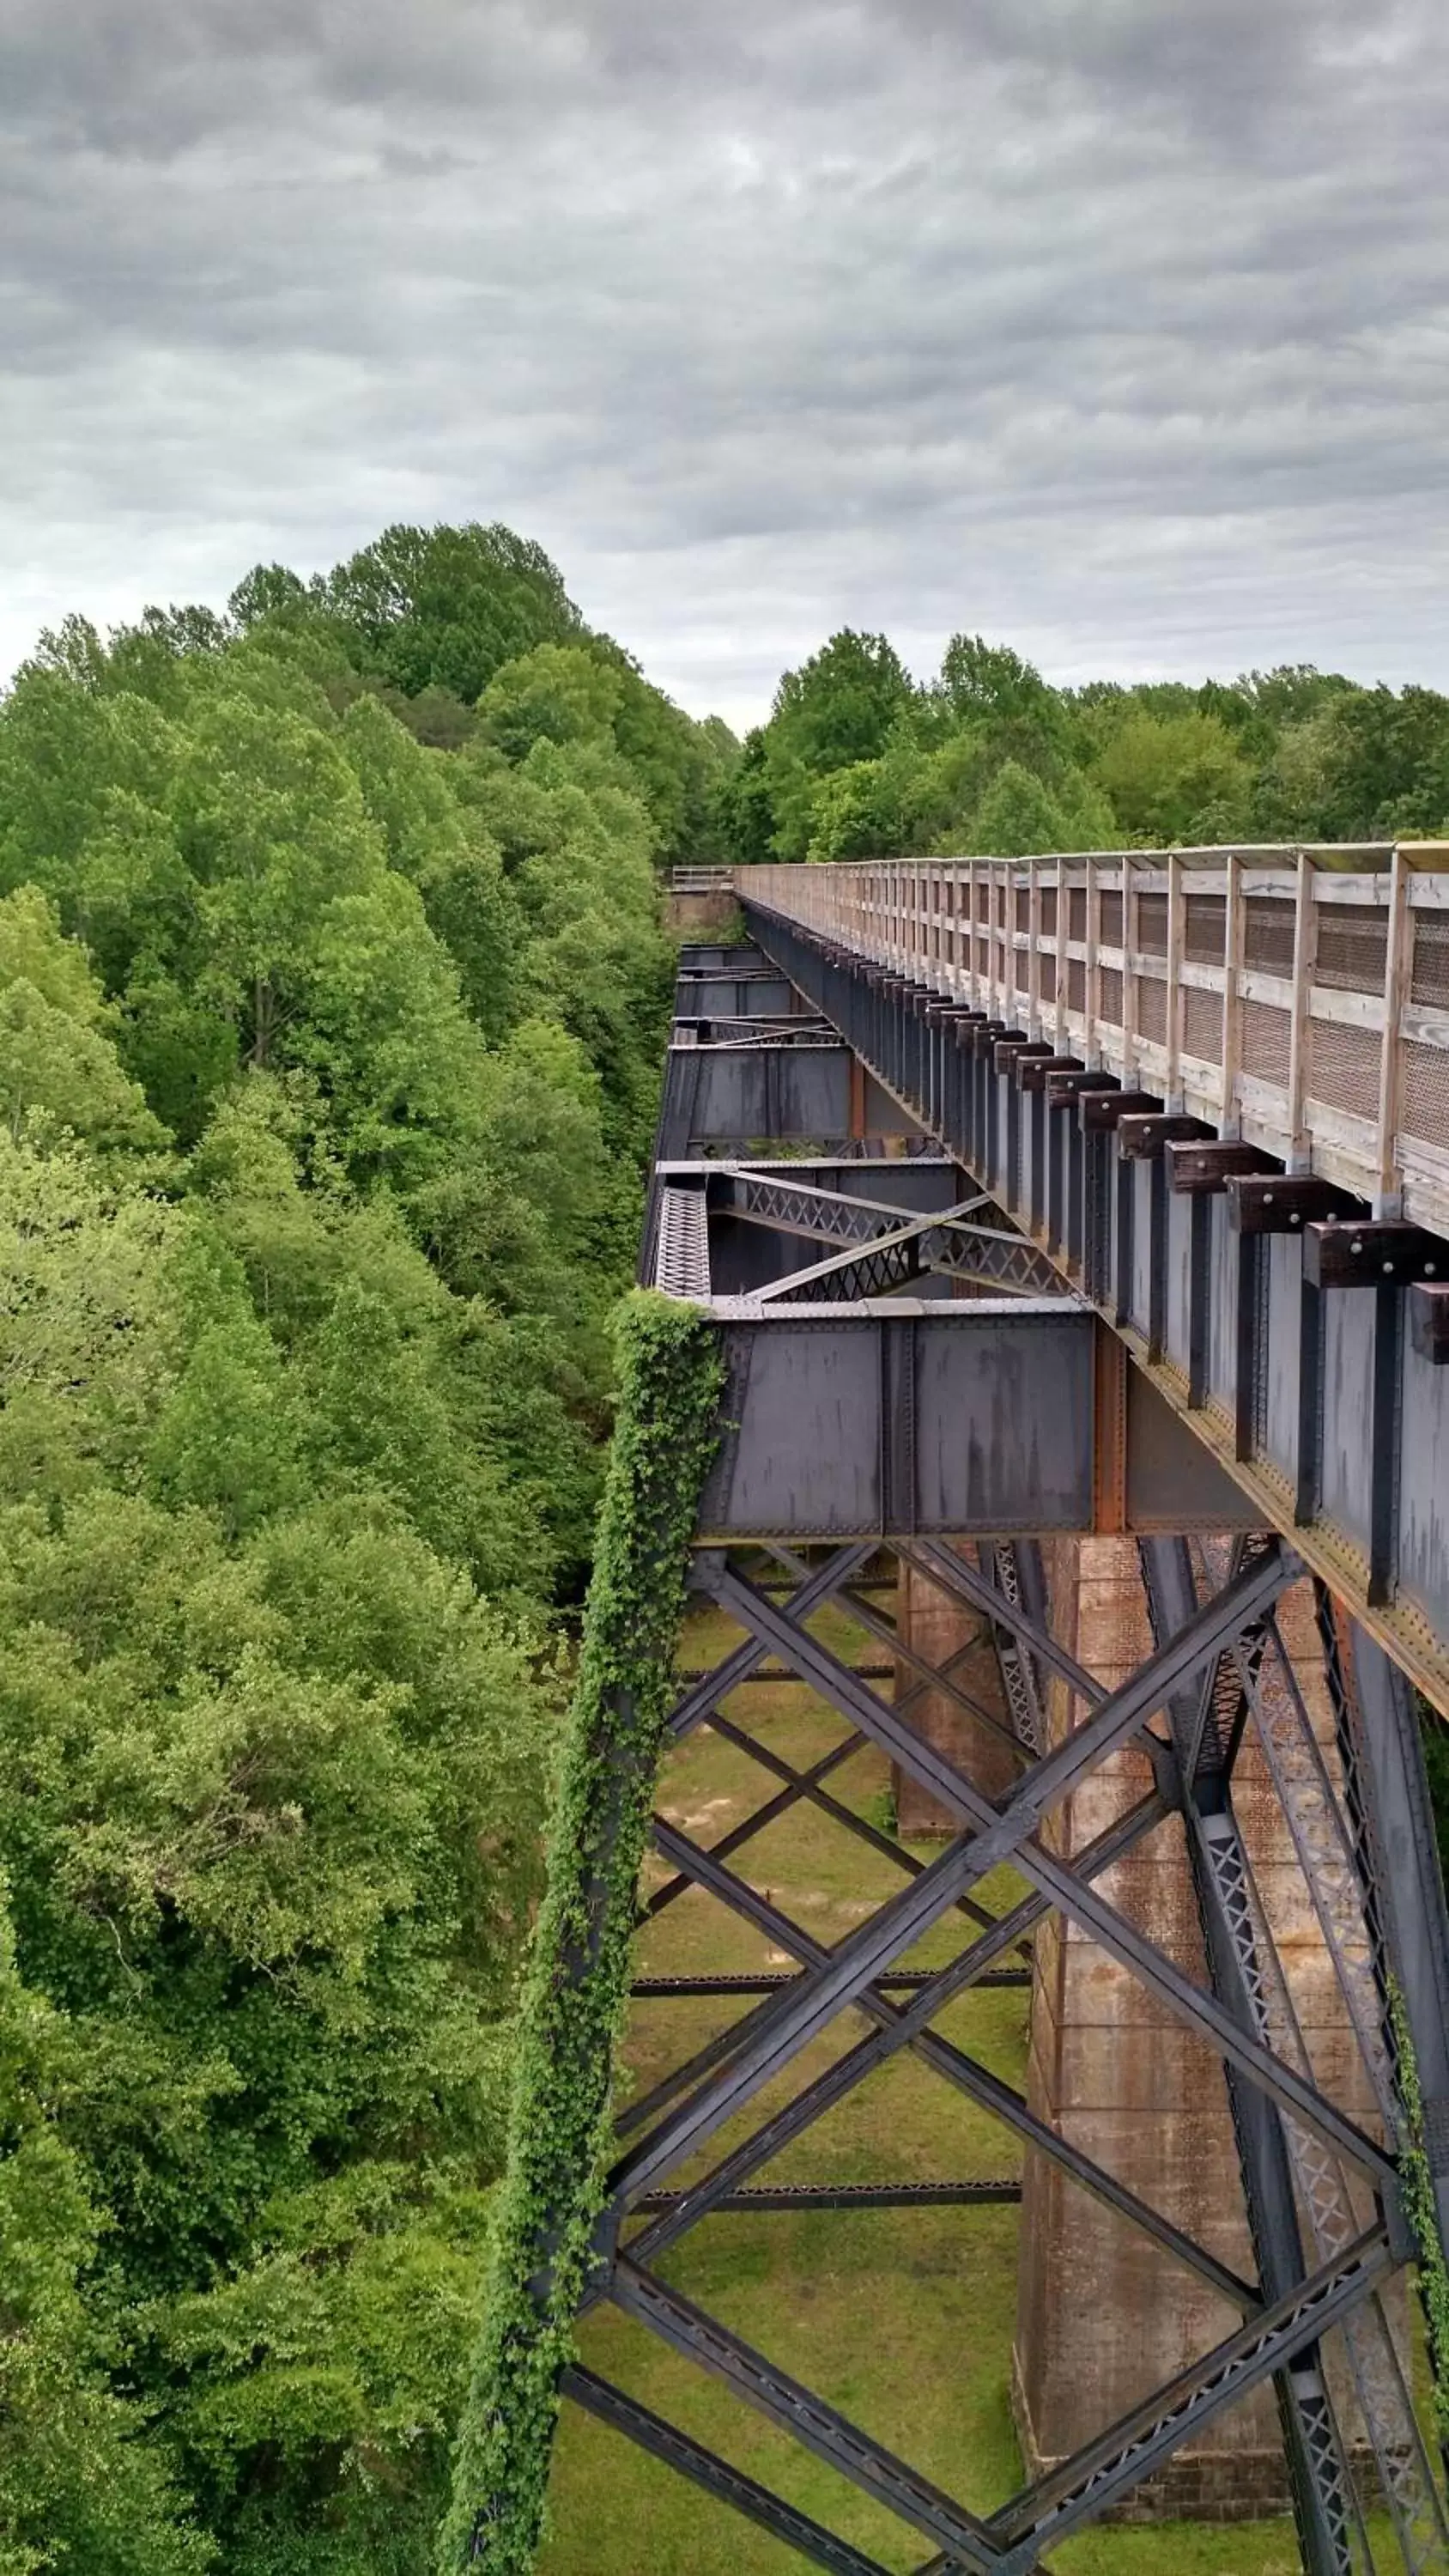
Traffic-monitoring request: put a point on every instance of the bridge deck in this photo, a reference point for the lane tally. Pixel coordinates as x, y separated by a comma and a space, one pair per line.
1299, 999
1277, 1264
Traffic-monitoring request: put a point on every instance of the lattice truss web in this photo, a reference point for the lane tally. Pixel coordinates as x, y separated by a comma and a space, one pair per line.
814, 2021
886, 1247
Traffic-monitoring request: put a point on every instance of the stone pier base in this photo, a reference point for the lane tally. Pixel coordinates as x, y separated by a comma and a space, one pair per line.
948, 1633
1104, 2316
1240, 2484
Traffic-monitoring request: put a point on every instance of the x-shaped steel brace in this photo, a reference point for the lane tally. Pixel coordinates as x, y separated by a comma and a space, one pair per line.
700, 1702
799, 1784
945, 2059
690, 2070
1003, 1833
932, 1676
840, 2078
807, 1784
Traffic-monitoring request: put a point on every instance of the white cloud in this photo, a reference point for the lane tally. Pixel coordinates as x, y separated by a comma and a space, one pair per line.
1111, 326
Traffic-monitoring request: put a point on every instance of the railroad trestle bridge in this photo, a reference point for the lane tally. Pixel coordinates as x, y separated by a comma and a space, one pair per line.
1076, 1237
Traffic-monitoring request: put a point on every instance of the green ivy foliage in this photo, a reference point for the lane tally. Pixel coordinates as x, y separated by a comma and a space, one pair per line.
578, 1978
1417, 2183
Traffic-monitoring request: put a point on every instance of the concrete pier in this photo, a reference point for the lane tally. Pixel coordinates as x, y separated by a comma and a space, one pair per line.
950, 1636
1104, 2316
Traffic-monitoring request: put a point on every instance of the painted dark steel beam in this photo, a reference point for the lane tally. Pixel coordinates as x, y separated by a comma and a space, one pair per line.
801, 2412
1004, 1831
718, 2478
785, 2199
1310, 1402
1250, 1346
770, 1980
1199, 1285
1322, 2492
1386, 1440
1083, 2487
1377, 1709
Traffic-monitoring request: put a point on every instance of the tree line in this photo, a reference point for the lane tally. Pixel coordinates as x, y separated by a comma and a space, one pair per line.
333, 996
857, 760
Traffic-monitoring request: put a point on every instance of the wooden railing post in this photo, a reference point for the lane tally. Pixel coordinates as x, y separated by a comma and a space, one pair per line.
1235, 911
971, 926
1093, 1050
1388, 1199
1033, 970
1305, 949
1131, 1059
1176, 937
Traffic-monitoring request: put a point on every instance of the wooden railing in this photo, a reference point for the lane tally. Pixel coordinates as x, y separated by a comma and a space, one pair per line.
700, 880
1296, 997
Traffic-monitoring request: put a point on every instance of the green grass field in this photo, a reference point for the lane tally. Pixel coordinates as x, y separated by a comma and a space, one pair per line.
902, 2318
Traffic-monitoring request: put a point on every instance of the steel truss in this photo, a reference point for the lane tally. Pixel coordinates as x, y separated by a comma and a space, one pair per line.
881, 1247
1321, 2193
899, 1244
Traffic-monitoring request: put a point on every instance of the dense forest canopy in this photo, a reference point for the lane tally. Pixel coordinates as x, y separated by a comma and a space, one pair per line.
859, 761
332, 999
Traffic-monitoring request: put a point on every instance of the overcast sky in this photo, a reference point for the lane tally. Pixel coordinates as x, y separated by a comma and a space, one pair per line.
1115, 328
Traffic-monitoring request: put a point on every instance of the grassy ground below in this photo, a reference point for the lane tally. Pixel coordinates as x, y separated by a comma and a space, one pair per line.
902, 2318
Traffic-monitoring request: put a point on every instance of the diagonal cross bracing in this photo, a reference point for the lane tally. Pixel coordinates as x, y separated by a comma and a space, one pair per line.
785, 2026
798, 2410
697, 1704
908, 2027
1079, 2489
718, 2478
799, 1207
909, 2023
1004, 1832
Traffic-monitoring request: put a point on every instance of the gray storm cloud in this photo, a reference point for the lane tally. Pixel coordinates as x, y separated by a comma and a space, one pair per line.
1113, 326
